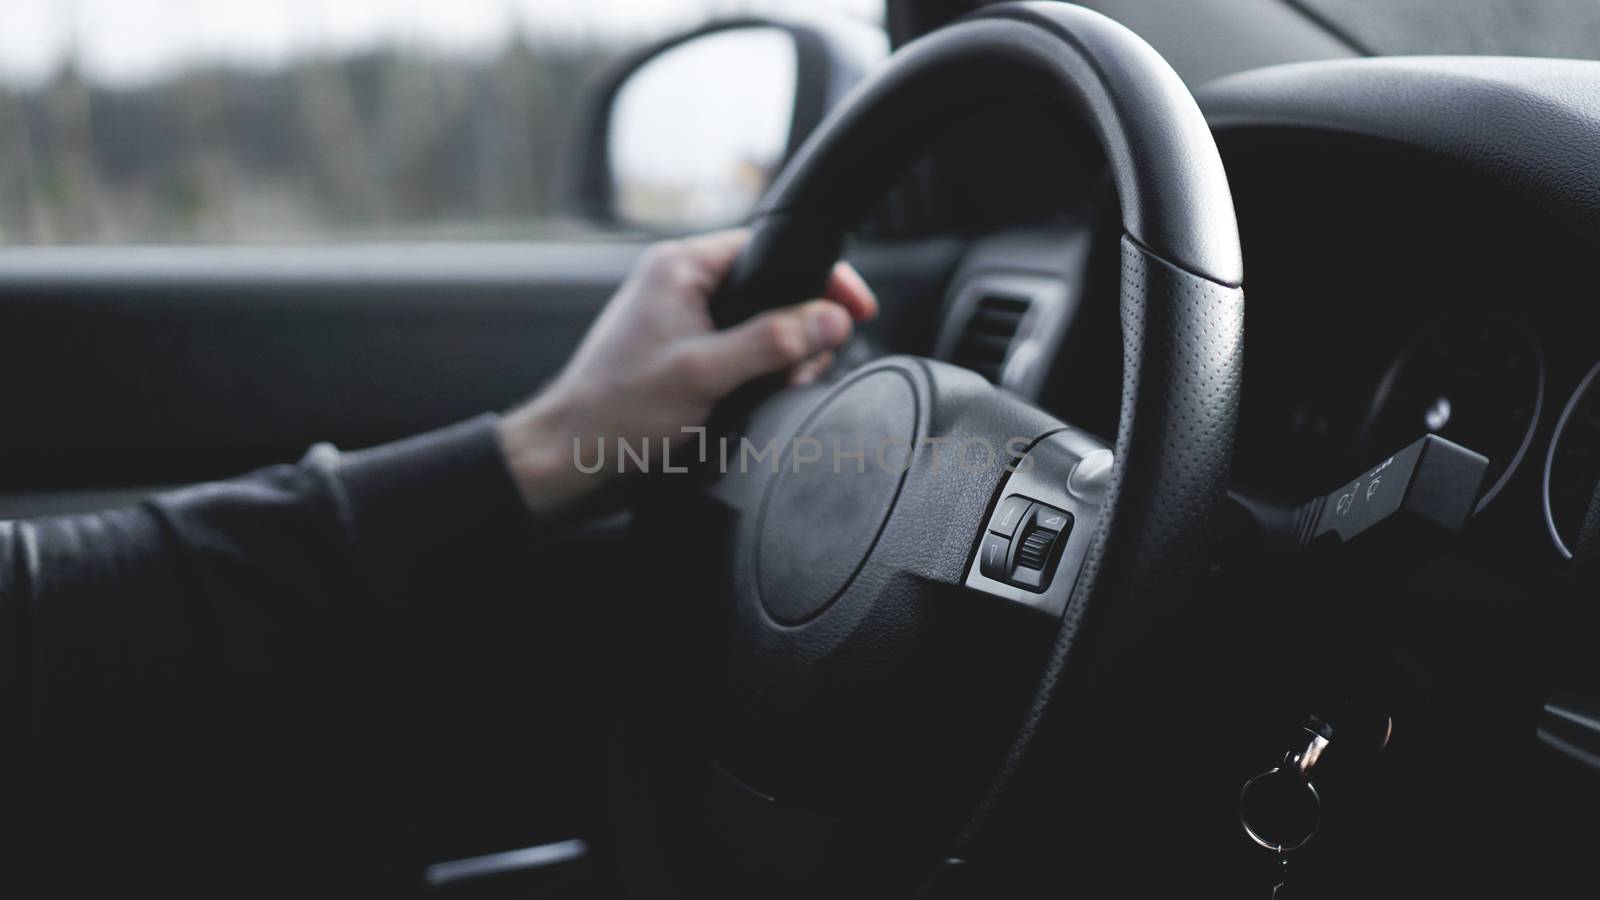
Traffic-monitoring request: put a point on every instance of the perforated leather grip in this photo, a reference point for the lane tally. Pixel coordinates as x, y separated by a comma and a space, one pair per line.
1182, 364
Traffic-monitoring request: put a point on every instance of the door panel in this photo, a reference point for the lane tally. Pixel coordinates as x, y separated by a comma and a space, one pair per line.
155, 366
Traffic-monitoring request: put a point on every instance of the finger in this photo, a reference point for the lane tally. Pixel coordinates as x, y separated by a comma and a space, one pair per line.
812, 369
771, 342
847, 288
713, 253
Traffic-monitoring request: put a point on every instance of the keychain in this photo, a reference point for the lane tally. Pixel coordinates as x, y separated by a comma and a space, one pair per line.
1281, 809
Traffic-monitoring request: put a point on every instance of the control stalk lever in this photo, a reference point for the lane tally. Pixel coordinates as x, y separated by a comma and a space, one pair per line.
1432, 483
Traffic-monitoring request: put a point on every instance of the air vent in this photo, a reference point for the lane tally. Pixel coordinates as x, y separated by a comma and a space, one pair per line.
987, 339
1005, 325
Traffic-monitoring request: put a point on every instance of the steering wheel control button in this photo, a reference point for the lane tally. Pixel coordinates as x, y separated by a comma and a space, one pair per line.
1043, 535
1060, 487
995, 556
1037, 532
1009, 514
1035, 549
1055, 520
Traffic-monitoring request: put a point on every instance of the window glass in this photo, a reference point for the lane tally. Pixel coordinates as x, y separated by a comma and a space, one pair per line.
1559, 28
178, 121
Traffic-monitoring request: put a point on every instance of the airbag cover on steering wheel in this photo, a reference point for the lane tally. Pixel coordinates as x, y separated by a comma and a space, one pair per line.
841, 475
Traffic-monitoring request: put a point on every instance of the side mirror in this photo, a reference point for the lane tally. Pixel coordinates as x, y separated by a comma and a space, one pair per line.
685, 135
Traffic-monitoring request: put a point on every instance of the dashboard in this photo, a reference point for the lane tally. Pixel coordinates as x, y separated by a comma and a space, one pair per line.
1409, 271
1419, 239
1389, 299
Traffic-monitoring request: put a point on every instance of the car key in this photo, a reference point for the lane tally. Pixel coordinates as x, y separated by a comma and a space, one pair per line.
1281, 809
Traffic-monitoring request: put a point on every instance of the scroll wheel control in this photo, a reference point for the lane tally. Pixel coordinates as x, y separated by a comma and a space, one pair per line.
1035, 548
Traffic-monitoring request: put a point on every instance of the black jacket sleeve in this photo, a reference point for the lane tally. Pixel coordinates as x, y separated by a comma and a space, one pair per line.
286, 603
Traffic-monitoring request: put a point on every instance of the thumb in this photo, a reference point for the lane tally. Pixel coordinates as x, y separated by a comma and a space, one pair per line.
771, 342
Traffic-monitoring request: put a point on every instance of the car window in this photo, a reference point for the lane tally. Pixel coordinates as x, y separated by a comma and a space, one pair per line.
180, 121
1556, 28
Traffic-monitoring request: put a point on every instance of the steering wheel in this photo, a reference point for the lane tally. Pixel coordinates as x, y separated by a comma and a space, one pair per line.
860, 602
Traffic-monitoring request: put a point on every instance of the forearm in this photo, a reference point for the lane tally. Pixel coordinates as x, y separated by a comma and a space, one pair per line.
271, 642
113, 617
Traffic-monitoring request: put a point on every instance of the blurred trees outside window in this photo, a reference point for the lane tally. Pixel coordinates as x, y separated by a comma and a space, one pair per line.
385, 139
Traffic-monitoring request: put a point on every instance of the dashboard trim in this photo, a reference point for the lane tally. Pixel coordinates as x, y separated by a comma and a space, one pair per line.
1578, 394
1531, 124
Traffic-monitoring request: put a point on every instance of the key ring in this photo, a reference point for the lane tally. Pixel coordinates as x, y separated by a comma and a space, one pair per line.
1309, 811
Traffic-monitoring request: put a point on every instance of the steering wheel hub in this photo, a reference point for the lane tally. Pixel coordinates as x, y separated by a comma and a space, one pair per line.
848, 567
841, 475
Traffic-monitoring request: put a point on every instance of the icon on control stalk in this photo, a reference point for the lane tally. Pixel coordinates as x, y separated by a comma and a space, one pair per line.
1023, 542
1431, 486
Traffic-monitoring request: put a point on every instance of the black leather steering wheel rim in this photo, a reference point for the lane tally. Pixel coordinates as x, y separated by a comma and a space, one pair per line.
1181, 301
1170, 181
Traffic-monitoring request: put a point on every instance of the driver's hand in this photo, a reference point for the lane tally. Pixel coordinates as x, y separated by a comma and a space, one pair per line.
653, 364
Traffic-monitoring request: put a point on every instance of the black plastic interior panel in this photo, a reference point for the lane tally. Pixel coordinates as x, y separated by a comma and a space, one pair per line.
1528, 123
156, 365
137, 366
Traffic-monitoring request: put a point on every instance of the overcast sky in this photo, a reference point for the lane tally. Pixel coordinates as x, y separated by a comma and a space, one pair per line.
125, 41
